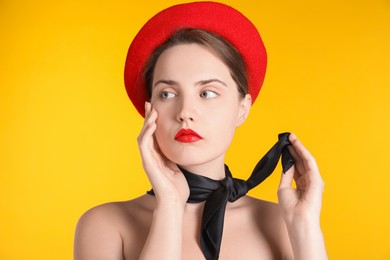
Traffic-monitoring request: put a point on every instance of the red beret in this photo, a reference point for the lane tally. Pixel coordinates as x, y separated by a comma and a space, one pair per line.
216, 18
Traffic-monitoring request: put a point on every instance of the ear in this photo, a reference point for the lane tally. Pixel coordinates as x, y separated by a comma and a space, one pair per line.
244, 108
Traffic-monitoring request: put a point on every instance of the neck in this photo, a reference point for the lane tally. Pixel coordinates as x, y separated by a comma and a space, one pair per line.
214, 169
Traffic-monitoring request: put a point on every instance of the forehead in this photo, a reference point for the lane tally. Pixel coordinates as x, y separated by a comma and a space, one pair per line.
189, 60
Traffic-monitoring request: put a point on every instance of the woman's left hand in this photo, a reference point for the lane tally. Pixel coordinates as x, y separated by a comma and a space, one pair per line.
304, 202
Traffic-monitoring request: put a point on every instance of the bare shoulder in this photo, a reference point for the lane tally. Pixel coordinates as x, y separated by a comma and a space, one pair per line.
102, 230
274, 226
266, 223
266, 210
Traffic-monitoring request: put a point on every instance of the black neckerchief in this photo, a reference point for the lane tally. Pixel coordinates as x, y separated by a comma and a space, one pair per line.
218, 193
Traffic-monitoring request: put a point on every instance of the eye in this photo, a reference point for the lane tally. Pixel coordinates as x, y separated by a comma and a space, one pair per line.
208, 94
167, 95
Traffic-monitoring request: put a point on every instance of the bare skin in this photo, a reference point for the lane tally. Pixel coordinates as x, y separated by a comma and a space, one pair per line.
254, 229
194, 89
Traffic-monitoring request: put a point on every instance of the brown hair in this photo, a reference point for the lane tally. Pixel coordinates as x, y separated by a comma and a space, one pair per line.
216, 44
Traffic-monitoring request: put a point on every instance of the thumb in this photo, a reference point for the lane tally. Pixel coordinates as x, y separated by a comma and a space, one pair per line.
286, 179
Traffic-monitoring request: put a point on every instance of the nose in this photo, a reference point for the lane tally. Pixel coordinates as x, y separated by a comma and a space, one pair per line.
186, 110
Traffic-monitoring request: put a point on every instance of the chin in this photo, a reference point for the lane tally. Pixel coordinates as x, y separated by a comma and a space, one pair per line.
186, 159
193, 155
192, 158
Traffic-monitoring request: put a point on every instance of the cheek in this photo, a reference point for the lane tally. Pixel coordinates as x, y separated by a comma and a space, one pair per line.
224, 124
162, 140
228, 116
164, 109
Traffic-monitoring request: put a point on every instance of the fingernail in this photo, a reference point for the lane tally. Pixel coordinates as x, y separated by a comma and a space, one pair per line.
293, 137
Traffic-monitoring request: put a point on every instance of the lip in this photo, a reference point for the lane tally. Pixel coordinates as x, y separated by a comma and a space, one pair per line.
187, 136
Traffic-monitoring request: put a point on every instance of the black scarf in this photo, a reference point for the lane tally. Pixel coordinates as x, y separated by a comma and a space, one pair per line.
218, 193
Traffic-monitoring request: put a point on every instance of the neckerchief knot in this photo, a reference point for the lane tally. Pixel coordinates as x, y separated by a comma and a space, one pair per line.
234, 188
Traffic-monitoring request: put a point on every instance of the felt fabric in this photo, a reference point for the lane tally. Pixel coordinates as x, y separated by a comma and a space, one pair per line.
217, 18
218, 193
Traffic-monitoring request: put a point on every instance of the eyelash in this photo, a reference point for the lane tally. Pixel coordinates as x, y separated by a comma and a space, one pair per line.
208, 91
166, 92
172, 95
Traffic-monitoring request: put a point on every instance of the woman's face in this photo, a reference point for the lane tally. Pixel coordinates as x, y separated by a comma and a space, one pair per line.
193, 89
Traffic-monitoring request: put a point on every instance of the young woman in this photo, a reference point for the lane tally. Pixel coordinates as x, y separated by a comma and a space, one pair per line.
196, 69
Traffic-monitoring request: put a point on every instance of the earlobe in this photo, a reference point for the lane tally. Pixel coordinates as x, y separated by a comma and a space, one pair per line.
245, 107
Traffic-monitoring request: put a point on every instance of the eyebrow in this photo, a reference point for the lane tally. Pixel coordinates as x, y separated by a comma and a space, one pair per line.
205, 82
165, 81
199, 83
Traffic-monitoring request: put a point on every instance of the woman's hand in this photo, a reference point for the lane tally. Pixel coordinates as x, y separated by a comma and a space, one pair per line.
171, 190
168, 182
301, 207
304, 202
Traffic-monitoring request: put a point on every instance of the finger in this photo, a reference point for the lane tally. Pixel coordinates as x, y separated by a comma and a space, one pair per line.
147, 111
298, 163
150, 118
150, 129
306, 165
299, 150
293, 153
286, 179
145, 138
304, 161
148, 107
150, 124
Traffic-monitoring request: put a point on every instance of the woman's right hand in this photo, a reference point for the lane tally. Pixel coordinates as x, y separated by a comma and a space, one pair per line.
168, 182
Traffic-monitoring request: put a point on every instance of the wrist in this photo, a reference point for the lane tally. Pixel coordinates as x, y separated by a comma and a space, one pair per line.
170, 199
304, 229
170, 207
165, 236
306, 238
302, 222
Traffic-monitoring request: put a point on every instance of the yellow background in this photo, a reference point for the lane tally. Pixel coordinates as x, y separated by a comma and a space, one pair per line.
68, 131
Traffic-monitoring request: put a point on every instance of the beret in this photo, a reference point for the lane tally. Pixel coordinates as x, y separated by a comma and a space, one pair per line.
213, 17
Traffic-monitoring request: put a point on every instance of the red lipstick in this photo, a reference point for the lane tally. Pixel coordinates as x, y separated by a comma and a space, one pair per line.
187, 136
